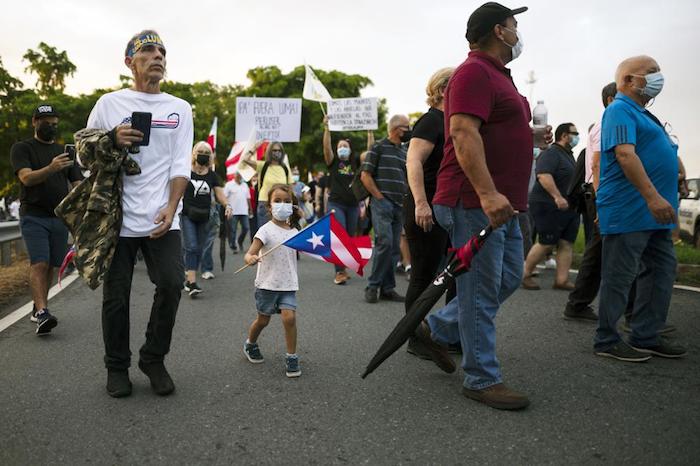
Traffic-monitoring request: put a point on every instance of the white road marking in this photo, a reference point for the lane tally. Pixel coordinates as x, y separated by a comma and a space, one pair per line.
24, 311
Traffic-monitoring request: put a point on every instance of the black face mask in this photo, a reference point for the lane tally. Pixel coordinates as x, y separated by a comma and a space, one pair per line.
203, 160
276, 156
46, 131
407, 134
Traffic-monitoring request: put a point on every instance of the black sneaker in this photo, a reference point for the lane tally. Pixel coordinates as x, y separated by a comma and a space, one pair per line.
623, 352
392, 296
32, 316
291, 365
45, 322
187, 286
161, 383
418, 349
118, 383
665, 349
252, 352
585, 315
371, 294
194, 290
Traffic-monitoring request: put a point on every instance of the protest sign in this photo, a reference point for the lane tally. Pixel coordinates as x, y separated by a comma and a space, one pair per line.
353, 114
272, 118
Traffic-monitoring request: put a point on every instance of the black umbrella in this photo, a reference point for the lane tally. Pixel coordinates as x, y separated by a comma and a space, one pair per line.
460, 262
223, 236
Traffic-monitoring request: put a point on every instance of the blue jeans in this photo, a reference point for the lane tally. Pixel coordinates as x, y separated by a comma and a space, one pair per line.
214, 223
649, 257
387, 219
496, 272
263, 215
348, 217
245, 226
194, 237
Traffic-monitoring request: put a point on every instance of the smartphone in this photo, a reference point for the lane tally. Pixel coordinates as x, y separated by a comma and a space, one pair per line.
142, 122
70, 150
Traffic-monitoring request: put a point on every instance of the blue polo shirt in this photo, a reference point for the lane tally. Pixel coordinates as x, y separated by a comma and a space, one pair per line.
621, 208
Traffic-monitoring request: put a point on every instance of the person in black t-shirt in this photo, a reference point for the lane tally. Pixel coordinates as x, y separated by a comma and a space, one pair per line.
342, 167
557, 225
427, 241
196, 207
46, 173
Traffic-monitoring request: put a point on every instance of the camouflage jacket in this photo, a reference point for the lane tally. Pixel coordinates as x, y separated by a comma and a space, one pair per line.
93, 210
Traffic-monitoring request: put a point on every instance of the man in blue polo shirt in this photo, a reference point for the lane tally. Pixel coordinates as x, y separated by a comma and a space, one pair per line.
637, 206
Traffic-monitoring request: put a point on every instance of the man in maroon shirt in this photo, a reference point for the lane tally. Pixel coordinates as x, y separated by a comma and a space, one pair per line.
483, 179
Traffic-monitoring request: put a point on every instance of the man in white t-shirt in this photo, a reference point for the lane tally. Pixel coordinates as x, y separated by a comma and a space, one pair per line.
151, 203
237, 193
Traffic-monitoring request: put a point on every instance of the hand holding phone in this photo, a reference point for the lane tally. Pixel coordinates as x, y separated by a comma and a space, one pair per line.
69, 149
141, 121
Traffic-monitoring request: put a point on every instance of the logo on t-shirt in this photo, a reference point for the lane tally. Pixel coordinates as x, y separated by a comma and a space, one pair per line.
201, 187
172, 122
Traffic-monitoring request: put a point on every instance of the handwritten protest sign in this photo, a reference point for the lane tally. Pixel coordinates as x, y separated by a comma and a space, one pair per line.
352, 114
273, 119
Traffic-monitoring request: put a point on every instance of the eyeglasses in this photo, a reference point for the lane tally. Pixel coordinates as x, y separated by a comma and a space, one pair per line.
574, 133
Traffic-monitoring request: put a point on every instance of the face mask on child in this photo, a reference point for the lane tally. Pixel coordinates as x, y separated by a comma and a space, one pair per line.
281, 211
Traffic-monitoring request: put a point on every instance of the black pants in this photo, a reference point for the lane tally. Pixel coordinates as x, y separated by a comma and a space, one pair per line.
163, 257
427, 254
589, 272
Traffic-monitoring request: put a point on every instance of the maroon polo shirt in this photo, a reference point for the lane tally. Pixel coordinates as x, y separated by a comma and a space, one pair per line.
483, 87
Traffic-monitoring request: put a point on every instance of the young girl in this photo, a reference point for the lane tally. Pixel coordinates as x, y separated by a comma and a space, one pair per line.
276, 282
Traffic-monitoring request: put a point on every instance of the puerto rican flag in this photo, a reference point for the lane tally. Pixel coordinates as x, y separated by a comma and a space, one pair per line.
211, 139
327, 240
235, 156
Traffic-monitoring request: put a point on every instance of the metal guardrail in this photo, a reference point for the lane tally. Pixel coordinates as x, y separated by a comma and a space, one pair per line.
10, 236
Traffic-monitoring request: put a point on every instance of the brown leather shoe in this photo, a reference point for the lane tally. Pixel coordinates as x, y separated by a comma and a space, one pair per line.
530, 283
438, 353
498, 396
566, 286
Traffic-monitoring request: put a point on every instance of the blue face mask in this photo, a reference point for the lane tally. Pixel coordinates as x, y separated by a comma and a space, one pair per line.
536, 152
655, 83
281, 211
343, 153
574, 140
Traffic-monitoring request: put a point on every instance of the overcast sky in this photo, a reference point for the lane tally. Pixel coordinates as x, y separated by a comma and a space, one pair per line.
573, 47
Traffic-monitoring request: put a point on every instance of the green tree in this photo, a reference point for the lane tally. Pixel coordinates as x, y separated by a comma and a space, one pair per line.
51, 67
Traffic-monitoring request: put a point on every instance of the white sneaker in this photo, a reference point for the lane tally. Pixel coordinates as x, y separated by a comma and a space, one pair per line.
207, 275
550, 263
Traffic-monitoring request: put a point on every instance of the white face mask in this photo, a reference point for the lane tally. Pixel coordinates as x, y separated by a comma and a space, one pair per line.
281, 211
517, 49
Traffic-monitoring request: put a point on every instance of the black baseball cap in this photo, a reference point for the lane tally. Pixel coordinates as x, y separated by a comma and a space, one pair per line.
45, 110
486, 17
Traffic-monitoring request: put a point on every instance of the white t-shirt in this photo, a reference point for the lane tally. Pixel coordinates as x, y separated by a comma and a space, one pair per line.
168, 155
237, 196
593, 145
278, 270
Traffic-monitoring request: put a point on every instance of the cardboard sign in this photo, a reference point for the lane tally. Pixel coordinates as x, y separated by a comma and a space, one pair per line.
273, 119
353, 114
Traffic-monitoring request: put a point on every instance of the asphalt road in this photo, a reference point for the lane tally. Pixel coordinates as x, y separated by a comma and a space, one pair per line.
585, 409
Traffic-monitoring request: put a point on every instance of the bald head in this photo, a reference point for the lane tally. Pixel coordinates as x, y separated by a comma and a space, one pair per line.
630, 74
639, 66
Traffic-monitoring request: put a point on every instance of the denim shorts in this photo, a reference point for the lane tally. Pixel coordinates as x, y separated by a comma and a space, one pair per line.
46, 239
270, 302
